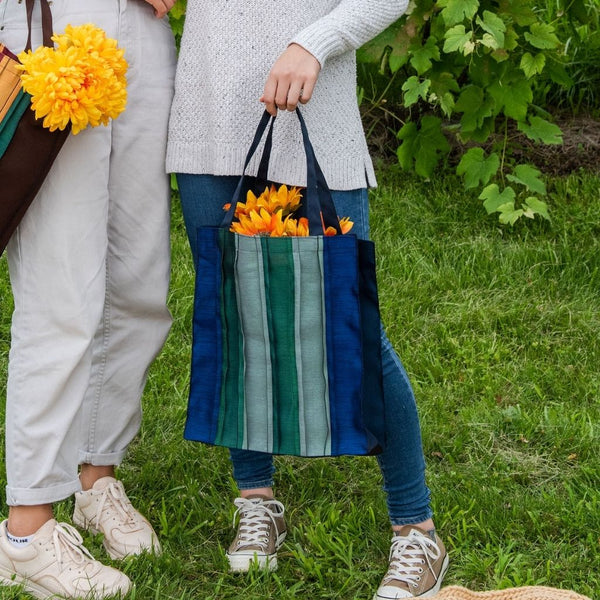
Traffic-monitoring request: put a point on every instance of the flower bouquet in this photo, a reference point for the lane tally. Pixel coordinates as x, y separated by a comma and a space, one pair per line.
272, 214
80, 82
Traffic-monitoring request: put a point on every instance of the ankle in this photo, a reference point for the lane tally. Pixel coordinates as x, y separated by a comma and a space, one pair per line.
89, 474
24, 521
427, 525
267, 492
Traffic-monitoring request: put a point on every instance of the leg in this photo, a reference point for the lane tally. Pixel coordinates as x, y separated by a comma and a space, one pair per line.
135, 319
402, 463
261, 527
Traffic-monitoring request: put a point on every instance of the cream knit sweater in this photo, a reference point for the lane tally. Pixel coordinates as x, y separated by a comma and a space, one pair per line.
227, 50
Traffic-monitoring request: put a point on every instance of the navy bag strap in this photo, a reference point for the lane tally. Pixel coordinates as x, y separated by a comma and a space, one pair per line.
317, 197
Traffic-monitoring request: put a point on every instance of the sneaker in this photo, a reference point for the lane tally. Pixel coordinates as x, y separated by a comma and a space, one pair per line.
56, 564
106, 509
261, 531
417, 566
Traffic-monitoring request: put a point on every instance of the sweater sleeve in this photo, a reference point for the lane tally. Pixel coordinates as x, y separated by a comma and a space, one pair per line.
348, 26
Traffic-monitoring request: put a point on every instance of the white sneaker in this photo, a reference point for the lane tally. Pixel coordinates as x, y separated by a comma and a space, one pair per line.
260, 533
56, 564
106, 509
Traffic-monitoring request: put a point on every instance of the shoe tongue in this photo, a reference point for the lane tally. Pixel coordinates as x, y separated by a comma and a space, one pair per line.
102, 483
258, 497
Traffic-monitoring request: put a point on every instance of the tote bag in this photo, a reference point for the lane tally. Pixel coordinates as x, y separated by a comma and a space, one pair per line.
27, 148
286, 354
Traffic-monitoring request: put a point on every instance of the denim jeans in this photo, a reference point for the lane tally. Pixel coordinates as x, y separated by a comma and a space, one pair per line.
402, 463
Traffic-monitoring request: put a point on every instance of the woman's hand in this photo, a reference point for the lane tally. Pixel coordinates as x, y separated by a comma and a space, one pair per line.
161, 7
291, 80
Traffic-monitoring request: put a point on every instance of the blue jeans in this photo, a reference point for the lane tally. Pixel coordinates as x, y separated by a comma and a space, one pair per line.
402, 463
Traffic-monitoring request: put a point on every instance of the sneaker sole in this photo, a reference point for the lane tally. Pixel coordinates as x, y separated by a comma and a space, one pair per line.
80, 521
13, 579
241, 563
429, 593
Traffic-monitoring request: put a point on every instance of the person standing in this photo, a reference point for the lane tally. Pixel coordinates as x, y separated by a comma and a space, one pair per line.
234, 54
89, 269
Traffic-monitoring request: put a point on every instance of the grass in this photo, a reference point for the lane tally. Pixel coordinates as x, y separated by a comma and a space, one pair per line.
498, 329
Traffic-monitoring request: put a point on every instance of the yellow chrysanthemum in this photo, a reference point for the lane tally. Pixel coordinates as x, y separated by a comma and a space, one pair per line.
81, 81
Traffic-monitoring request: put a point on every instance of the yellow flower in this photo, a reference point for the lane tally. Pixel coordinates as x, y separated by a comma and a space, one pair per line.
81, 81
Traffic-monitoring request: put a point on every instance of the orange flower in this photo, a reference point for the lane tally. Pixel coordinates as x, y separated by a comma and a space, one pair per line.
272, 214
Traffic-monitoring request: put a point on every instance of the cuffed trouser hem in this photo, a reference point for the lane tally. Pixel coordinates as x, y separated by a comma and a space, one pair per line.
101, 460
412, 520
252, 485
47, 495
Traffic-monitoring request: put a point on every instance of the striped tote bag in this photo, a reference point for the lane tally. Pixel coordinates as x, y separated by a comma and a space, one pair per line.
286, 354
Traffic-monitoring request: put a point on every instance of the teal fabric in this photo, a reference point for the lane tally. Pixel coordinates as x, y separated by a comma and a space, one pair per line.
8, 126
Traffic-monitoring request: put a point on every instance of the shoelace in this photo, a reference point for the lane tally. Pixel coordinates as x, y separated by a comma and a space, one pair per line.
408, 555
68, 541
114, 495
255, 520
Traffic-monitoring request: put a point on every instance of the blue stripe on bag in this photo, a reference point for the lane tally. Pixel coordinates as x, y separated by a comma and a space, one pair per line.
343, 340
203, 411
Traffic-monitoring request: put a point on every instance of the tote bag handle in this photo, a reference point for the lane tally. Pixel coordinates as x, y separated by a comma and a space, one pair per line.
46, 22
318, 201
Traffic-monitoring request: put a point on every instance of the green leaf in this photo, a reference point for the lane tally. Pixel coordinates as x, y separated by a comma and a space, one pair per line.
414, 89
521, 11
540, 130
477, 169
494, 27
475, 110
456, 11
447, 103
422, 148
512, 98
529, 177
508, 215
541, 35
457, 39
532, 65
537, 206
494, 198
396, 61
421, 58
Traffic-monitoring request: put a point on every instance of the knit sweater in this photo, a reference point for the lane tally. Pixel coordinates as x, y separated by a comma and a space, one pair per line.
227, 50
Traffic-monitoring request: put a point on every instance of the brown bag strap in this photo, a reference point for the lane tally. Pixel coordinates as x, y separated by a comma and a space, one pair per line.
46, 22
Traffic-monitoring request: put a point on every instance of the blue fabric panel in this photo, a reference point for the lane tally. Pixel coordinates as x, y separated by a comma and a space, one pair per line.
372, 393
205, 388
344, 350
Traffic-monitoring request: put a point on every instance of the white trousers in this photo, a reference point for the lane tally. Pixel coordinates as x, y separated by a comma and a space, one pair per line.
89, 268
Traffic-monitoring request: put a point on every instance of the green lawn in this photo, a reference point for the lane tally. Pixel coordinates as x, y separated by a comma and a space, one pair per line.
498, 329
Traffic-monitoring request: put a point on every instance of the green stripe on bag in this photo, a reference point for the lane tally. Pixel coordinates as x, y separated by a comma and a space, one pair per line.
9, 124
230, 430
280, 306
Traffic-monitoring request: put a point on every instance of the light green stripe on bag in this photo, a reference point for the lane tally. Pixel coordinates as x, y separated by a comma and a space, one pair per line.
256, 363
315, 426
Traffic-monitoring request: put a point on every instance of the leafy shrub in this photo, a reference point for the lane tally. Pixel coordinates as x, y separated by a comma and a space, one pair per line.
477, 71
